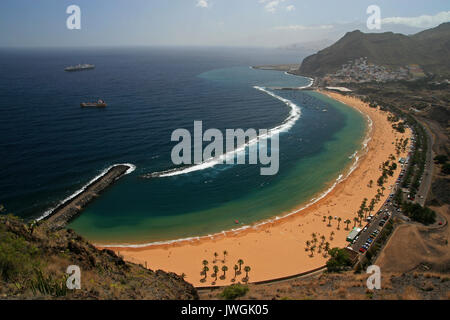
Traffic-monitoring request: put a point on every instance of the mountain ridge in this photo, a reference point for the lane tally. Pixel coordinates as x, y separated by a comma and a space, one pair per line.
429, 49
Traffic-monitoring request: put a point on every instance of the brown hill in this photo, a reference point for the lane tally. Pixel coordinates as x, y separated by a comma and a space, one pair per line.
430, 49
33, 261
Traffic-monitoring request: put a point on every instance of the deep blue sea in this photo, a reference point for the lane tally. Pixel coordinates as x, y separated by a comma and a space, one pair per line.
50, 147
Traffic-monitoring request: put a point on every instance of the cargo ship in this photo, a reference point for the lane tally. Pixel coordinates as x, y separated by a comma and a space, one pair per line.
99, 104
80, 67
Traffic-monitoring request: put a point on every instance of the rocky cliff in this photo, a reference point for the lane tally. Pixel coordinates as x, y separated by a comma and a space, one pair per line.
34, 260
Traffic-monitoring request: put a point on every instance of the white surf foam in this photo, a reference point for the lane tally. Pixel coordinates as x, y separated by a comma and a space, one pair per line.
294, 115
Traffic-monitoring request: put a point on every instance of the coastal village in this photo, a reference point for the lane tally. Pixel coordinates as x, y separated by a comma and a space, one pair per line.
360, 70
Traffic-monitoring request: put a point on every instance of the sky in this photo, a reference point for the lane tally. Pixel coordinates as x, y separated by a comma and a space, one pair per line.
243, 23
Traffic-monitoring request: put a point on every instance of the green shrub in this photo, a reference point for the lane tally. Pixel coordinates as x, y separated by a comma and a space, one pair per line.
446, 168
418, 213
339, 259
441, 159
47, 285
234, 291
18, 258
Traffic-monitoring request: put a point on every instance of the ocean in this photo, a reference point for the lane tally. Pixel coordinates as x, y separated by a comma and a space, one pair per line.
50, 147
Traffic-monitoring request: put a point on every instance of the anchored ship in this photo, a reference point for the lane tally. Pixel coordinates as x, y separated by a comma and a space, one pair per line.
79, 67
99, 104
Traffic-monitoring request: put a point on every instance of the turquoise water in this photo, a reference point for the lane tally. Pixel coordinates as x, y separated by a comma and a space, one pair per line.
313, 153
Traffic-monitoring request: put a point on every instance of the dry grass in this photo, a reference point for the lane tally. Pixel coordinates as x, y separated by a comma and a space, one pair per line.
410, 293
350, 286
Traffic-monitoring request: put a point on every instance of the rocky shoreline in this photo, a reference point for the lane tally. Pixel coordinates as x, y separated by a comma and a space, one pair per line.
68, 210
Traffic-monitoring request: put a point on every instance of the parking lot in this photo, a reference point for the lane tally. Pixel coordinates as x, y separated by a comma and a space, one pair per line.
372, 227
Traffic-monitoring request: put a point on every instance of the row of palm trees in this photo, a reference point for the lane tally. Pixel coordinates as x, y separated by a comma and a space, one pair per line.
237, 270
364, 209
400, 145
314, 244
330, 218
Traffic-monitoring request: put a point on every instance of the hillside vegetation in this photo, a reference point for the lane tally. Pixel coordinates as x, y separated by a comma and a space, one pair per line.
34, 260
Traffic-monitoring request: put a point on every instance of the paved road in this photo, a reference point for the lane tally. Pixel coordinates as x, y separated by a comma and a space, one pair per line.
425, 186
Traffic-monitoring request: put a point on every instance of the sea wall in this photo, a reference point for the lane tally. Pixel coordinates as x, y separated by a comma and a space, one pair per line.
68, 210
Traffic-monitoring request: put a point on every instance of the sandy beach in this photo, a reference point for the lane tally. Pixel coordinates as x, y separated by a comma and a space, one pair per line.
277, 249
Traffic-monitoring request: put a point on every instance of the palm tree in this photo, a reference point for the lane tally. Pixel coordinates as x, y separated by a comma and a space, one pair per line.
359, 212
205, 271
377, 197
312, 249
205, 262
240, 263
216, 269
322, 238
329, 220
235, 270
382, 190
372, 205
331, 235
224, 269
215, 256
362, 208
347, 222
355, 219
247, 270
339, 222
324, 218
225, 253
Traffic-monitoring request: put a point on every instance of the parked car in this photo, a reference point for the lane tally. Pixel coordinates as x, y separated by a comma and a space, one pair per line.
362, 250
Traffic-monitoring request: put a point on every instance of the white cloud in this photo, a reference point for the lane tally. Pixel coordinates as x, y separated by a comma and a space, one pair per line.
202, 3
423, 21
271, 5
290, 8
299, 27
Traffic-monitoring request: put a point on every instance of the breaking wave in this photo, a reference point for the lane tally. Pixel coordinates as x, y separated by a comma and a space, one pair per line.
294, 115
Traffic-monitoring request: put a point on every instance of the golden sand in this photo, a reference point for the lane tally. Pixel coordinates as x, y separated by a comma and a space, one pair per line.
277, 249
